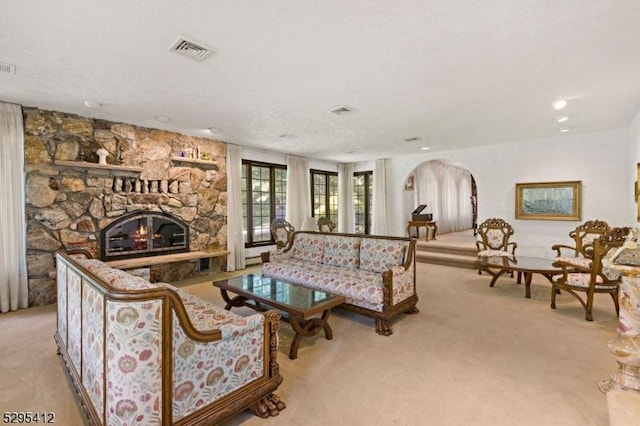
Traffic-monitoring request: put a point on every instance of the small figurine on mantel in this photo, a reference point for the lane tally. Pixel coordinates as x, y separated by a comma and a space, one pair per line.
102, 156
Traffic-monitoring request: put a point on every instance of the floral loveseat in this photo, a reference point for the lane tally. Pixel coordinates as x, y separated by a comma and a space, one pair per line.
375, 274
152, 354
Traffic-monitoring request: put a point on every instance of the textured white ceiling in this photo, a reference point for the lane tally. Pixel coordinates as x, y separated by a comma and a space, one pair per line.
456, 73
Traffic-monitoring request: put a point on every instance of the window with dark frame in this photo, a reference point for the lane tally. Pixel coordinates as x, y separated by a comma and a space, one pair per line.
362, 201
264, 198
324, 195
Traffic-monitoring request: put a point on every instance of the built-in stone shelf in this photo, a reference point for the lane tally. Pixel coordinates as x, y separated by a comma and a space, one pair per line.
86, 165
208, 163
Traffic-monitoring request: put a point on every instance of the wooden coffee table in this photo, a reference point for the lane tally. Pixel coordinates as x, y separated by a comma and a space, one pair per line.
300, 303
522, 265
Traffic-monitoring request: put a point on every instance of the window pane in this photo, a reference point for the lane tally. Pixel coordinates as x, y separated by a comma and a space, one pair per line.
263, 197
243, 185
325, 195
362, 198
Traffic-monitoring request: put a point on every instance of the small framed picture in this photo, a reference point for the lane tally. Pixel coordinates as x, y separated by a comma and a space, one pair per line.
409, 185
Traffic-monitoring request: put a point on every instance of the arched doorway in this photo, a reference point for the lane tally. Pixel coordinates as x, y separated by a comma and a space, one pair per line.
450, 193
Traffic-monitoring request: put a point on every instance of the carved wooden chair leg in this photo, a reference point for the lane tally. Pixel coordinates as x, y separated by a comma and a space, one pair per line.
268, 406
588, 307
616, 303
554, 291
588, 316
383, 328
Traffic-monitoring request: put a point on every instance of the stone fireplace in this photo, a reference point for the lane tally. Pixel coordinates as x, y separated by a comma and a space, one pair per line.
70, 197
142, 234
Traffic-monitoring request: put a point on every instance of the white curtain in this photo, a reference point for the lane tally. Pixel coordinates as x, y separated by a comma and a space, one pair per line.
346, 212
298, 190
14, 285
446, 190
235, 238
379, 215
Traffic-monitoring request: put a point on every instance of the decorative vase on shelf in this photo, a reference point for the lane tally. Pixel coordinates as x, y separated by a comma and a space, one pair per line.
102, 156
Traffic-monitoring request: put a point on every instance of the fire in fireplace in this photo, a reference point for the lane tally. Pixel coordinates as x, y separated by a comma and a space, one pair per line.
143, 233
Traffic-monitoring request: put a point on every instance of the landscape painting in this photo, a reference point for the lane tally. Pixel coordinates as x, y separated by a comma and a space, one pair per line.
549, 200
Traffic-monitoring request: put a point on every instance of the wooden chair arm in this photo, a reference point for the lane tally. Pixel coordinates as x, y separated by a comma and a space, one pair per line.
558, 248
565, 266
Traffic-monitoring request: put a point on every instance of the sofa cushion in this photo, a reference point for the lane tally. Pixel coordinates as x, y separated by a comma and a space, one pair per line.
342, 251
354, 284
379, 255
309, 247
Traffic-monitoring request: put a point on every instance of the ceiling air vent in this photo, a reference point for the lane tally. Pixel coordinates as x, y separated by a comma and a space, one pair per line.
413, 139
191, 49
342, 110
7, 68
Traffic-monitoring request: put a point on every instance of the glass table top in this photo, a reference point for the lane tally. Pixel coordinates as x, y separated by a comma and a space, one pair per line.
524, 263
278, 291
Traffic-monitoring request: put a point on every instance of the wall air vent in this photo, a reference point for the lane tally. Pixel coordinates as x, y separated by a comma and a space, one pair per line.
191, 49
342, 110
7, 68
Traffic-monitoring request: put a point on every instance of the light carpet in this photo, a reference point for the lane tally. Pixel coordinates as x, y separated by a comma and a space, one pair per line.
474, 355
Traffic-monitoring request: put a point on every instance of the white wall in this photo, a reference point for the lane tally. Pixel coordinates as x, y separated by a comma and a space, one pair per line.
634, 141
278, 158
605, 162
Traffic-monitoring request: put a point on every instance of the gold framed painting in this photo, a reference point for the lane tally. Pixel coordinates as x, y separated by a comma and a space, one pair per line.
549, 200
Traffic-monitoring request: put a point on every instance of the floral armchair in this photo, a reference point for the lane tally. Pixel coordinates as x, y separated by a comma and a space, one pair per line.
493, 240
589, 279
583, 236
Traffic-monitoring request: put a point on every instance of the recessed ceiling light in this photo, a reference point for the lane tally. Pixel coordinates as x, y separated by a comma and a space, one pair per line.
92, 104
425, 148
162, 118
563, 129
559, 104
562, 118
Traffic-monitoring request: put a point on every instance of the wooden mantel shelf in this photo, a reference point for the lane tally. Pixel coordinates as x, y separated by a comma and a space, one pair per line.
87, 165
195, 161
141, 262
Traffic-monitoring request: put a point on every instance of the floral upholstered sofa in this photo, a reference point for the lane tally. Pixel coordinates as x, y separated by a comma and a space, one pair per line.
153, 354
375, 274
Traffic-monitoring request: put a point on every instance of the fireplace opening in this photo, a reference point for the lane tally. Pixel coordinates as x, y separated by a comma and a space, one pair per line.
143, 233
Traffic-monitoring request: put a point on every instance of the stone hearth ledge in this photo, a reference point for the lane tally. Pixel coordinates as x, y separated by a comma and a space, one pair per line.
141, 262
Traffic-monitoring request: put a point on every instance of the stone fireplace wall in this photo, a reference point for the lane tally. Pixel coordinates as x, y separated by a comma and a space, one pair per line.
70, 198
